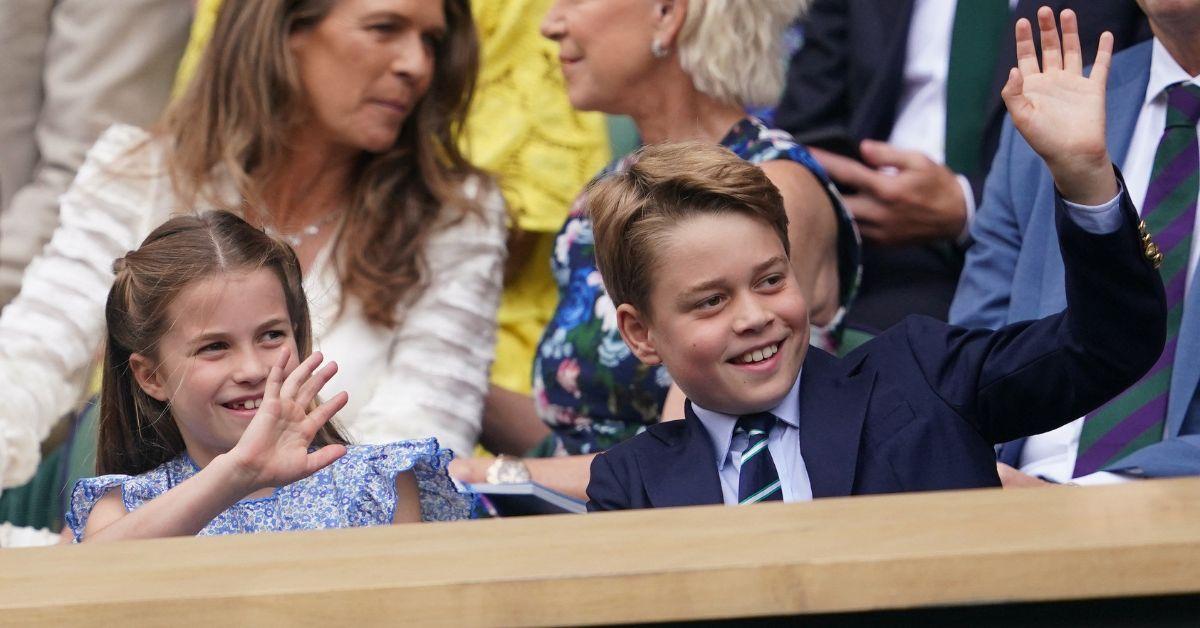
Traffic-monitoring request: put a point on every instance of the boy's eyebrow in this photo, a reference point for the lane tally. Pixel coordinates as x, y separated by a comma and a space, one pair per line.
762, 268
713, 284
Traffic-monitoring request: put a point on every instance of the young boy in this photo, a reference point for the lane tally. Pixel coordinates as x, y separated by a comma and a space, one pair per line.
692, 243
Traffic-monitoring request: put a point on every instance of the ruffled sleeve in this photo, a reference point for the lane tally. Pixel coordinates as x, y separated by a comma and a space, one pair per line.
375, 467
87, 492
135, 490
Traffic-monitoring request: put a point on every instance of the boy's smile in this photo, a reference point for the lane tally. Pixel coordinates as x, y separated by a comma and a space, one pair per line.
727, 317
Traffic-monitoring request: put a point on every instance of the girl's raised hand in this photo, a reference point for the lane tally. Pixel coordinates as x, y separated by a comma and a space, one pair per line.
1059, 111
273, 451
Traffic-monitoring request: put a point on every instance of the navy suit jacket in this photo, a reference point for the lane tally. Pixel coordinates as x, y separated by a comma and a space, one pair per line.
1014, 270
847, 80
921, 406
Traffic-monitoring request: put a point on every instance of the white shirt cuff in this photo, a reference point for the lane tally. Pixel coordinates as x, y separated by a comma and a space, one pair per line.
1098, 219
969, 198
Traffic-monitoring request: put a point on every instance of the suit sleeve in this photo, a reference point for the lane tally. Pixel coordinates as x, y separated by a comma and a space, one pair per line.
606, 487
815, 97
985, 286
1034, 376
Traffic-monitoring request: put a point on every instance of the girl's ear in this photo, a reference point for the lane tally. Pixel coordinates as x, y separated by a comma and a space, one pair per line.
635, 330
145, 372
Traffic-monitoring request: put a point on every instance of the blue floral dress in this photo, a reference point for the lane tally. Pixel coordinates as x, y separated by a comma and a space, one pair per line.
359, 489
587, 385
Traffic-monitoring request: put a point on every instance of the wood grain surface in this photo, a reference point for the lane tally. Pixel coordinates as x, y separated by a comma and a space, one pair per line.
887, 552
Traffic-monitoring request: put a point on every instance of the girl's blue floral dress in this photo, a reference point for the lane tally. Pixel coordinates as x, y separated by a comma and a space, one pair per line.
587, 385
359, 489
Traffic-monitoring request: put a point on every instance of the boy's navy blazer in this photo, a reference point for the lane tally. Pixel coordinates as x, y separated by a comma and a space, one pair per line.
921, 406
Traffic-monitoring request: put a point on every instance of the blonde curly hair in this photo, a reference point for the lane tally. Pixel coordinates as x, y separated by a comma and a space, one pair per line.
733, 49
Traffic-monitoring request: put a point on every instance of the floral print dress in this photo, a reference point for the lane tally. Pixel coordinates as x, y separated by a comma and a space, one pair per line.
358, 489
587, 385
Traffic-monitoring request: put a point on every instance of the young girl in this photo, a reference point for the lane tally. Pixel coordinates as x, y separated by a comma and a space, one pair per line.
209, 418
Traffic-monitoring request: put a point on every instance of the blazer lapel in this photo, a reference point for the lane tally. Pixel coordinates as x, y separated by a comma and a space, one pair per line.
833, 406
683, 472
1126, 91
1185, 374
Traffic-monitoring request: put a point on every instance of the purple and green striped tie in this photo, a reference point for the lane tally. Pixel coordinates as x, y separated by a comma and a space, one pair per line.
758, 479
1135, 418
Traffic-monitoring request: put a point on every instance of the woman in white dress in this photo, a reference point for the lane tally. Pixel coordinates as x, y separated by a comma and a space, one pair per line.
329, 123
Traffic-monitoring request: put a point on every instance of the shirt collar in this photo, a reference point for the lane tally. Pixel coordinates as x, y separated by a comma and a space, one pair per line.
1164, 72
720, 426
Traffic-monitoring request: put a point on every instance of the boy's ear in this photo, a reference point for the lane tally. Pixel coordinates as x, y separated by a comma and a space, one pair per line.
145, 373
635, 329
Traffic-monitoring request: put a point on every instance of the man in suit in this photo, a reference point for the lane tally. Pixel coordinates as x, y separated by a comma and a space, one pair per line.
917, 408
68, 70
920, 82
1014, 272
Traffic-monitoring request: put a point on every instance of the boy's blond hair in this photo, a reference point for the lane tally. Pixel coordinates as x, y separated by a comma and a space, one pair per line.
633, 210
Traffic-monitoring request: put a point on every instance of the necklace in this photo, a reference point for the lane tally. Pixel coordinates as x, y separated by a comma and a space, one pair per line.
296, 238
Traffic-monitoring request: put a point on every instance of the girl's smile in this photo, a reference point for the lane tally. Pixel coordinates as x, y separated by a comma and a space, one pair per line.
244, 407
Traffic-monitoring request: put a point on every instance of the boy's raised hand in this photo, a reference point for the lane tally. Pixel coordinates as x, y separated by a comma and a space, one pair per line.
1059, 111
273, 450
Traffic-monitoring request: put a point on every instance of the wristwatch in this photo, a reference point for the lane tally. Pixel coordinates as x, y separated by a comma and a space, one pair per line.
507, 470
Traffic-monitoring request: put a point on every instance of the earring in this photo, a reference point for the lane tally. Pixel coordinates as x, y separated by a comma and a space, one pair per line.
658, 50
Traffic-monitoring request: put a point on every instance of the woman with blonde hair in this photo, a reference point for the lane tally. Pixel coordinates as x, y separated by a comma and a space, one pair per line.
683, 71
328, 123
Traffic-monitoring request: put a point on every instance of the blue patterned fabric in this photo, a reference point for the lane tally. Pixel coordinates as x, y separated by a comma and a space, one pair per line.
359, 489
587, 385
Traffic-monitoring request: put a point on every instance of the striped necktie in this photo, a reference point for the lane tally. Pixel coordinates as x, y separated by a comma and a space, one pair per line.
1136, 417
758, 480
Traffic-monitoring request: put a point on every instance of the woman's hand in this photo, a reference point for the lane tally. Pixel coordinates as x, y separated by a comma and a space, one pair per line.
1059, 111
273, 451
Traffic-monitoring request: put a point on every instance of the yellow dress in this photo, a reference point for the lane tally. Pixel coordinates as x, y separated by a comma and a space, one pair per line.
523, 130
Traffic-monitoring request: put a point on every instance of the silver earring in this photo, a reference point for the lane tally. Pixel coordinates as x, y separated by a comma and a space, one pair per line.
658, 50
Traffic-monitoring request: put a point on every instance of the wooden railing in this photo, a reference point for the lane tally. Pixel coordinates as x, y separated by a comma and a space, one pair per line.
836, 555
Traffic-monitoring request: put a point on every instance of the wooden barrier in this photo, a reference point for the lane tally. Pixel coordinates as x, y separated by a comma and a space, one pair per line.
837, 555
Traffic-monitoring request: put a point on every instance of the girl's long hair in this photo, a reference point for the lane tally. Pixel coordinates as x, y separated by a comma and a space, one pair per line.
232, 125
137, 432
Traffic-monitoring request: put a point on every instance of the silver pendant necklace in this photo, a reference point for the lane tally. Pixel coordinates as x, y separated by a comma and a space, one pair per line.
296, 238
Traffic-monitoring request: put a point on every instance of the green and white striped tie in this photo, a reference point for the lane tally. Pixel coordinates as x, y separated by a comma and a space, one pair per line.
758, 480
